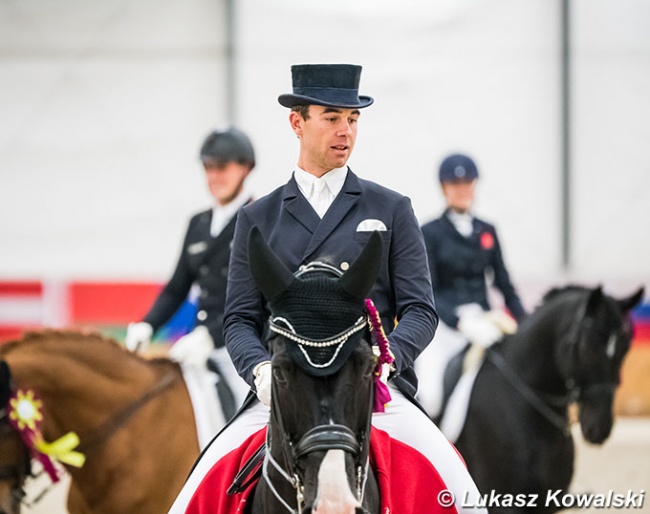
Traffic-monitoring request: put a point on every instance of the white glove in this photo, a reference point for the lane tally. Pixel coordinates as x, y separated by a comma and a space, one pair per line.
138, 337
506, 323
386, 369
193, 349
478, 326
263, 373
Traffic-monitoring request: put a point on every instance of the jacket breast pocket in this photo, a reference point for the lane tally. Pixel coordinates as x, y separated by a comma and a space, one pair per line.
361, 238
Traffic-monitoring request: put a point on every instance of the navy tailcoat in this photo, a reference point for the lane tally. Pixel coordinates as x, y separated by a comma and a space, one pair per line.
203, 260
460, 265
291, 227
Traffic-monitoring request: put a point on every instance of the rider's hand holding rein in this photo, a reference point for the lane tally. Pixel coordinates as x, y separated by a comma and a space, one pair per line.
193, 349
483, 328
138, 337
262, 374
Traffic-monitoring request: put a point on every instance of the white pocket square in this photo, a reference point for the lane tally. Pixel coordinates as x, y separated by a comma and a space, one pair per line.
371, 225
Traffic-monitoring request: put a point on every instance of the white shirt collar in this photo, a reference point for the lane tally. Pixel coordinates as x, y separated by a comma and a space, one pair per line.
222, 214
334, 179
462, 221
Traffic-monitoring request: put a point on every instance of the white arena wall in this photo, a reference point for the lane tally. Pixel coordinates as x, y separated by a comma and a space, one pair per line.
104, 106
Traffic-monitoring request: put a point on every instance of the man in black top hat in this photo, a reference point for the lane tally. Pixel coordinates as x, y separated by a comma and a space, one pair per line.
227, 156
326, 213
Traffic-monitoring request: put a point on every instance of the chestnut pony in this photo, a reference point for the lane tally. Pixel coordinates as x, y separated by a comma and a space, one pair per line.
133, 417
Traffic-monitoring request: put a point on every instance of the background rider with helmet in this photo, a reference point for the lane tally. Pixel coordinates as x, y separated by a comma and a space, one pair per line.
465, 257
228, 157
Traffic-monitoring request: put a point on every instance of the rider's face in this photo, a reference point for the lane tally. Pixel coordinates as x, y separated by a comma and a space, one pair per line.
225, 179
459, 194
327, 137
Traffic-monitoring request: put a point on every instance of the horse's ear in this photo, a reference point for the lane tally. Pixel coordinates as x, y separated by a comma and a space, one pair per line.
5, 384
627, 304
269, 272
594, 298
362, 274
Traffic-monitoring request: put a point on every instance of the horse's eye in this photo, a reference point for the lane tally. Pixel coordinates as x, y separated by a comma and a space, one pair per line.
279, 376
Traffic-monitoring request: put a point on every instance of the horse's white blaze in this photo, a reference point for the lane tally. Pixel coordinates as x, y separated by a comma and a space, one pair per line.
611, 346
334, 495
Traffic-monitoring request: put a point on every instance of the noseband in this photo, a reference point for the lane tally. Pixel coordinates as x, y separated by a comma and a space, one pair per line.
327, 437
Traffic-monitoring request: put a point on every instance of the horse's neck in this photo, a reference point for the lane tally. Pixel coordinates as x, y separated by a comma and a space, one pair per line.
532, 351
78, 387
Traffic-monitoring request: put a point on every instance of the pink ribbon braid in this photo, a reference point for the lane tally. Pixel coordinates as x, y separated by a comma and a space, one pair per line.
382, 394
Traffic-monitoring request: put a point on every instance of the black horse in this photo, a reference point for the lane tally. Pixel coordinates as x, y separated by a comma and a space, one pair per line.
322, 393
517, 440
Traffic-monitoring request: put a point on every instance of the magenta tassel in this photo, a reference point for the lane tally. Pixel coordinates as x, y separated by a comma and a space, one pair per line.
382, 394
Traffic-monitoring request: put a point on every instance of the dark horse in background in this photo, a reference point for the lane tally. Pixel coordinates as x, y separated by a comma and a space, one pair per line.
517, 440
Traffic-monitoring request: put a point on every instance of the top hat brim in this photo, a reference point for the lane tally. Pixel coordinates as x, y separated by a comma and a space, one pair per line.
291, 100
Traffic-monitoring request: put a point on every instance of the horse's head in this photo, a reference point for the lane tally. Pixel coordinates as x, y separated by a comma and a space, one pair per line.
322, 387
591, 357
15, 459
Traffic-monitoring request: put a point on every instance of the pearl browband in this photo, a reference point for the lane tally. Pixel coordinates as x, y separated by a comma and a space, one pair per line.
338, 339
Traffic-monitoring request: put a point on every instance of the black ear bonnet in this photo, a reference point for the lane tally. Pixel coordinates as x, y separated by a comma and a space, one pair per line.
319, 310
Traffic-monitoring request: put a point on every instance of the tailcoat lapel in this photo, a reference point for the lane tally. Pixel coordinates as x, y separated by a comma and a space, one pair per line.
297, 206
344, 201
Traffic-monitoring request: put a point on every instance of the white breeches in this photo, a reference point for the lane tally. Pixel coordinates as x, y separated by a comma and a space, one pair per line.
430, 366
237, 384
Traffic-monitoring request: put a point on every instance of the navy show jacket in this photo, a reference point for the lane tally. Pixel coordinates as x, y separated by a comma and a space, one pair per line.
298, 236
459, 266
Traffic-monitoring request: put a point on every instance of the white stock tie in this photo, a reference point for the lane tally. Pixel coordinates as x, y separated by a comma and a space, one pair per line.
320, 197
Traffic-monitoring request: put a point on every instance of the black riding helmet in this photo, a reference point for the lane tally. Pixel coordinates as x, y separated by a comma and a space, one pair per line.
457, 167
228, 145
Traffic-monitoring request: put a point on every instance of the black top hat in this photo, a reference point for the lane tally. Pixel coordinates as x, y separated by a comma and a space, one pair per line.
331, 85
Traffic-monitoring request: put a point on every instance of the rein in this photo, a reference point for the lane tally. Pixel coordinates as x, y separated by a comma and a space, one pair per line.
116, 422
530, 395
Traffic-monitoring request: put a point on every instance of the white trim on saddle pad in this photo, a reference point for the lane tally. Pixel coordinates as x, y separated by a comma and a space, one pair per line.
209, 418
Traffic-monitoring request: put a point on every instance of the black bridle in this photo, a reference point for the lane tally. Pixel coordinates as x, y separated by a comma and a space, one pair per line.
18, 472
544, 403
320, 438
578, 390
